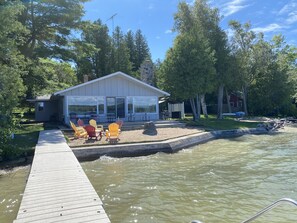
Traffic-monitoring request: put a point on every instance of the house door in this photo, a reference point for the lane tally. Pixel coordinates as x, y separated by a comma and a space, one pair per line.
120, 107
115, 108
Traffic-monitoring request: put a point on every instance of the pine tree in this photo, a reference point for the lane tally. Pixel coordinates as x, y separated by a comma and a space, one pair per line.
130, 42
141, 50
120, 53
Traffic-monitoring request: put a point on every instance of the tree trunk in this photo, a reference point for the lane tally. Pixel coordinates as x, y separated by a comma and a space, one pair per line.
203, 105
198, 107
220, 101
228, 101
244, 90
192, 102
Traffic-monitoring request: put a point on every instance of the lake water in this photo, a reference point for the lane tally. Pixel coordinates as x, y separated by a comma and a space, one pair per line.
12, 186
226, 180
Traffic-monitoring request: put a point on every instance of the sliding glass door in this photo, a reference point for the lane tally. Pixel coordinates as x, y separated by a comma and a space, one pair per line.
120, 107
115, 107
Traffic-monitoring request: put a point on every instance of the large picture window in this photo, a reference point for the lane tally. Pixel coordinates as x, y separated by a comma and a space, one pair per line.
85, 105
145, 104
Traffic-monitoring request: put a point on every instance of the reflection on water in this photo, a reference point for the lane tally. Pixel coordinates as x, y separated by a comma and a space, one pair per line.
225, 180
12, 186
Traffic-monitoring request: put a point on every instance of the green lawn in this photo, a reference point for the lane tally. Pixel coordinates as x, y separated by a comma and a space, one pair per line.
25, 140
26, 135
212, 123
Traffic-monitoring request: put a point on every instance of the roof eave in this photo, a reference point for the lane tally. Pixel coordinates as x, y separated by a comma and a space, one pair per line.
109, 76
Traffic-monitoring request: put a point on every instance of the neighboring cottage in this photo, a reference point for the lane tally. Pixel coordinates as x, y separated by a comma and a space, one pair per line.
105, 99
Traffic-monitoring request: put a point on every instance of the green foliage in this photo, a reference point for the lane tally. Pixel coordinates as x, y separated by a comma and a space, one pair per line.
120, 53
11, 69
11, 63
53, 76
130, 42
11, 88
97, 54
142, 51
23, 143
49, 23
272, 90
6, 130
138, 49
188, 68
92, 52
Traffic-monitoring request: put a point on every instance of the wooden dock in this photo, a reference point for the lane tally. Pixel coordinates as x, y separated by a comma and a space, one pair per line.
57, 189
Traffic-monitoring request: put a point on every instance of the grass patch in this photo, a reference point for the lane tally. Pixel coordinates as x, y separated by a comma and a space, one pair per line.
212, 123
25, 138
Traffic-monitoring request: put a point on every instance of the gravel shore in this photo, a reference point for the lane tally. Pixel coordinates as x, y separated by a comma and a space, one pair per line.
135, 136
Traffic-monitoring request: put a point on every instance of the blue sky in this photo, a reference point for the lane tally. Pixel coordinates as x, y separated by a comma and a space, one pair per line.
155, 18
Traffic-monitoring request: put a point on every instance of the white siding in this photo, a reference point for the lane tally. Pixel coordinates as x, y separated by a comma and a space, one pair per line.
115, 86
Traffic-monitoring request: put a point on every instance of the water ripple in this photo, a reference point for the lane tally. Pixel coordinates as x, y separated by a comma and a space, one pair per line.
225, 180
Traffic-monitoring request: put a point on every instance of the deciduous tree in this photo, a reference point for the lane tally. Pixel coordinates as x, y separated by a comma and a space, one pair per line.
242, 43
11, 62
11, 69
188, 69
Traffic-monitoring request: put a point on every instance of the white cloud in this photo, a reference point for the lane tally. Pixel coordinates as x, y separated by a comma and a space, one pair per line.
292, 18
168, 31
290, 11
233, 7
270, 28
287, 8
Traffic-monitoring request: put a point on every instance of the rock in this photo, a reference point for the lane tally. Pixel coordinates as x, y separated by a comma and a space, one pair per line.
272, 125
149, 129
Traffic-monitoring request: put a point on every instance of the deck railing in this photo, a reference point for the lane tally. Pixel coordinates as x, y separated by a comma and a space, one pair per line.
265, 210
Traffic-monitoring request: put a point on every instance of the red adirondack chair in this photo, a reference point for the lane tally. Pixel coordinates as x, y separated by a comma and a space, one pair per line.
80, 122
92, 132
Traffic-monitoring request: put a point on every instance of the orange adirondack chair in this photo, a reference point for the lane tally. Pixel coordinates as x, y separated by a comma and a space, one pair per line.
79, 132
112, 134
92, 132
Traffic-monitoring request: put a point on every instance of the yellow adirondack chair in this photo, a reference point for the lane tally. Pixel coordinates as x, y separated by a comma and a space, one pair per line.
113, 132
79, 132
120, 123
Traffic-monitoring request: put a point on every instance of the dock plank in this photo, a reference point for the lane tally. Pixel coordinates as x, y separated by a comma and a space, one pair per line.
57, 189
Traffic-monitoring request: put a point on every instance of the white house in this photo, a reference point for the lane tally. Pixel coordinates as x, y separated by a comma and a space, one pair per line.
105, 99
